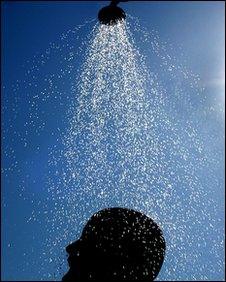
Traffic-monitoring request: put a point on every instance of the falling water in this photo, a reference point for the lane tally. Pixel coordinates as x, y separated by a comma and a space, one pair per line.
126, 144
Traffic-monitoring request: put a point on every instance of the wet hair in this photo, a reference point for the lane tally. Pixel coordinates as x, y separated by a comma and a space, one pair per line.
117, 244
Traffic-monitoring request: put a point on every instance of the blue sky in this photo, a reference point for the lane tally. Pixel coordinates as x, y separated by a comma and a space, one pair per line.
193, 33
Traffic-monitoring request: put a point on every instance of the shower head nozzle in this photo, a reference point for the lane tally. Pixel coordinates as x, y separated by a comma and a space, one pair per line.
111, 14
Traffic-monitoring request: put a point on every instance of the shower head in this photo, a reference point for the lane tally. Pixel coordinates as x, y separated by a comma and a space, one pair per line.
111, 14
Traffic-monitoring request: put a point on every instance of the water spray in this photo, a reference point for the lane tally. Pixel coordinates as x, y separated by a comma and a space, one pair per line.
111, 14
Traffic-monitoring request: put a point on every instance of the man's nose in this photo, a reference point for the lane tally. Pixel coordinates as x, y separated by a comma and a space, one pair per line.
72, 247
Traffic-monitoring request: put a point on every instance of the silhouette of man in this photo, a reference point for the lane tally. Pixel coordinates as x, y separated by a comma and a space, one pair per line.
117, 244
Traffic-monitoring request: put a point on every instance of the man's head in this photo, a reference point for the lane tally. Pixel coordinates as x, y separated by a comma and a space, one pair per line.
117, 244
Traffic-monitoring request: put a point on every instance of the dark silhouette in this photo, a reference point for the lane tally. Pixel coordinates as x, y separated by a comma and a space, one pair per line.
111, 14
117, 244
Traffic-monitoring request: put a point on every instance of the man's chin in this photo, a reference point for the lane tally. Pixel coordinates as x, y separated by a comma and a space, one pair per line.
69, 276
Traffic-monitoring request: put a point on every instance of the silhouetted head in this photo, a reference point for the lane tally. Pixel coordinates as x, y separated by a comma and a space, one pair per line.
117, 244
